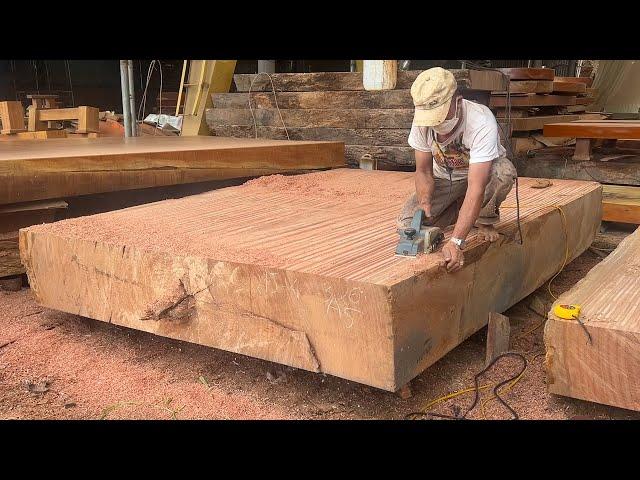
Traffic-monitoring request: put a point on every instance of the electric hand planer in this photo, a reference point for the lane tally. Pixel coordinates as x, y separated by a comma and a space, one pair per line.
418, 238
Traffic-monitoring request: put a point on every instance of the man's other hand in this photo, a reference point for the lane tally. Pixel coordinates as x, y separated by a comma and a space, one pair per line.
453, 257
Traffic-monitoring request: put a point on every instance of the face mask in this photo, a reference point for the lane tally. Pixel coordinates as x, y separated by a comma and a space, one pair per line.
448, 125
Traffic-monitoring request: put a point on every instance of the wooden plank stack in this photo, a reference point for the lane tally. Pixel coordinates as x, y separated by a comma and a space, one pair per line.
538, 97
334, 106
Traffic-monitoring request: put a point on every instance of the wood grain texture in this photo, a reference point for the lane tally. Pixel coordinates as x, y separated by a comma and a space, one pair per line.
10, 263
276, 270
587, 81
569, 87
621, 204
352, 81
529, 73
306, 118
35, 170
350, 136
532, 100
608, 370
629, 130
528, 86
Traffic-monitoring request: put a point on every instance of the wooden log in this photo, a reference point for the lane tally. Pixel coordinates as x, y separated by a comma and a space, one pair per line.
569, 87
336, 81
350, 136
621, 204
323, 100
527, 86
537, 123
11, 117
625, 171
305, 118
529, 73
607, 369
599, 129
276, 270
532, 100
67, 167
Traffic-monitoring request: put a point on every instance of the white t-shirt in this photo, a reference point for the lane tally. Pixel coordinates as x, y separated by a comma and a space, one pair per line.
476, 140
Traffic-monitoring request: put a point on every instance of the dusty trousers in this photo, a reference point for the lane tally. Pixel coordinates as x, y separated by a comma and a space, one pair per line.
448, 196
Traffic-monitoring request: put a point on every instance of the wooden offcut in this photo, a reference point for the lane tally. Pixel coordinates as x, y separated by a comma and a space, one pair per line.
539, 122
621, 203
569, 87
67, 167
301, 270
11, 117
607, 369
528, 86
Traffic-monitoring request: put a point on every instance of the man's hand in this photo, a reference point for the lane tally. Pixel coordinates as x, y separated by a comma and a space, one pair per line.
453, 257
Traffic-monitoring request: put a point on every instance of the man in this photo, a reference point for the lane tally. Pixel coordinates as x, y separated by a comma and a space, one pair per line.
458, 156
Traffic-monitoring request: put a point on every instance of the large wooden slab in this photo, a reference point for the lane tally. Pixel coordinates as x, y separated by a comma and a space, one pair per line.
35, 170
608, 369
610, 129
301, 270
529, 73
308, 82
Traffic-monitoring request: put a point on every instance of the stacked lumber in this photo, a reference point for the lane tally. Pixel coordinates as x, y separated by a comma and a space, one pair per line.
537, 98
334, 106
602, 363
301, 270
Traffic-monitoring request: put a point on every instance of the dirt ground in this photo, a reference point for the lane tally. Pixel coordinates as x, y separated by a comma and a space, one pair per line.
59, 366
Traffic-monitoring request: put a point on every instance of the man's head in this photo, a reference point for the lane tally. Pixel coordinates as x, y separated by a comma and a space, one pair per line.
433, 92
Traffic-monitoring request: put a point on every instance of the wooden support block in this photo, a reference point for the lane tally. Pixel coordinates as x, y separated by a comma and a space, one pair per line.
621, 204
88, 120
379, 74
300, 286
606, 370
498, 330
582, 152
11, 117
34, 123
569, 87
10, 263
60, 168
528, 86
532, 100
529, 73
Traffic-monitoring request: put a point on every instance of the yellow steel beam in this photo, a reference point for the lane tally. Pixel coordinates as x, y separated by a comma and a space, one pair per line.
205, 77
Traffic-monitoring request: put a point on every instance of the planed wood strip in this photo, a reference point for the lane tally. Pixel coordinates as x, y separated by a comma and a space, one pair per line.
599, 129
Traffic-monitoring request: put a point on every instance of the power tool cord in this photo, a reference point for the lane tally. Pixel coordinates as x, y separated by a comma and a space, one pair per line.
476, 388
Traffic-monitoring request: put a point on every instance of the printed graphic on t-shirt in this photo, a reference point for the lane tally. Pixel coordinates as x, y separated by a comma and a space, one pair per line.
455, 154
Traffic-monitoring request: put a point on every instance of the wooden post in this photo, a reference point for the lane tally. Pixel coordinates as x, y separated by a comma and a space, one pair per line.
35, 124
582, 152
88, 120
498, 331
12, 117
380, 74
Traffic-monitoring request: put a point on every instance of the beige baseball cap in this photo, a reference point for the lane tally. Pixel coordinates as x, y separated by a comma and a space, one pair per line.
432, 92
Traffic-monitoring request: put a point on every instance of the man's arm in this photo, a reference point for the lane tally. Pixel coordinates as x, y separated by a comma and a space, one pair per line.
425, 183
476, 183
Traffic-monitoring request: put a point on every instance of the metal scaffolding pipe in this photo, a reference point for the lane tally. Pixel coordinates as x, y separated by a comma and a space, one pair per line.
132, 100
126, 103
